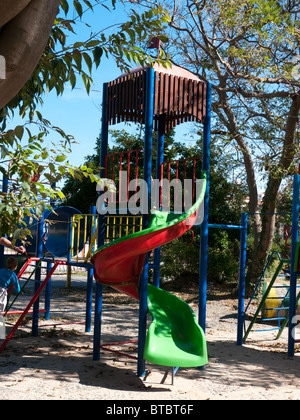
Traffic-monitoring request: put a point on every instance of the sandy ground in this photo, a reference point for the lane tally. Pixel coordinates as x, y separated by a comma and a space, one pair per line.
58, 364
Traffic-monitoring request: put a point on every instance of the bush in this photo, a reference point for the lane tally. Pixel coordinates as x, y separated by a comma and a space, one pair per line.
181, 258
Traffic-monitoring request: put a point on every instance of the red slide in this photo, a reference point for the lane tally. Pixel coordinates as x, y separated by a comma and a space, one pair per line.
120, 263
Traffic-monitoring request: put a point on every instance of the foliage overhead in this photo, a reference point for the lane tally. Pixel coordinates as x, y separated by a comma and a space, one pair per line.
31, 161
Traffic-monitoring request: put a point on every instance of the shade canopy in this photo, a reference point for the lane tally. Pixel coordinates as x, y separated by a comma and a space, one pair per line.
179, 96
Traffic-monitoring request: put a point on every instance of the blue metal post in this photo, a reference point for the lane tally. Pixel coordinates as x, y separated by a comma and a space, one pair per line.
90, 276
89, 300
35, 317
103, 154
101, 229
69, 254
98, 321
242, 284
159, 161
204, 226
70, 229
293, 275
48, 293
149, 104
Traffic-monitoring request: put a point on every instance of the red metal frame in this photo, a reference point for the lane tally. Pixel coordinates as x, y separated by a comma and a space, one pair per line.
30, 304
119, 353
195, 160
122, 155
23, 269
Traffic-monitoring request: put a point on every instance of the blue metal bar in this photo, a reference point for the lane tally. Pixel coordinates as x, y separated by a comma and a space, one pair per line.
98, 321
159, 161
69, 252
101, 229
215, 226
35, 316
174, 371
272, 319
293, 275
48, 292
70, 228
149, 104
204, 226
242, 282
278, 308
149, 110
142, 318
90, 276
267, 329
89, 300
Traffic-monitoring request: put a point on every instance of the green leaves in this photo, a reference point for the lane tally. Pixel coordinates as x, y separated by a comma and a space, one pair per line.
32, 163
65, 6
33, 169
66, 63
78, 7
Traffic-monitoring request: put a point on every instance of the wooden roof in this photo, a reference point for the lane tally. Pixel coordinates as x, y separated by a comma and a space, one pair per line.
179, 95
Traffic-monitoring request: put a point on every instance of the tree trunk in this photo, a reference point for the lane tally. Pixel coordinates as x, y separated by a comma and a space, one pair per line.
269, 206
261, 251
22, 42
230, 123
9, 9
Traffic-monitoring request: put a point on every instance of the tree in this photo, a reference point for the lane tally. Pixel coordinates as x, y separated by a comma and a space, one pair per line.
247, 49
26, 27
36, 64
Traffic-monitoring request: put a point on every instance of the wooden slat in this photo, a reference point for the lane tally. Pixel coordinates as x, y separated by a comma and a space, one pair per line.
134, 97
140, 104
200, 102
186, 96
179, 98
195, 97
204, 102
161, 94
156, 96
190, 98
119, 101
113, 107
123, 89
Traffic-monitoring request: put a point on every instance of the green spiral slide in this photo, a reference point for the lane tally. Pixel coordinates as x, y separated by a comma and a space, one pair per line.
174, 337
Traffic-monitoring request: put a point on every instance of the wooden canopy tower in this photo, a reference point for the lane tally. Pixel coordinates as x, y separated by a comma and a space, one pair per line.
179, 96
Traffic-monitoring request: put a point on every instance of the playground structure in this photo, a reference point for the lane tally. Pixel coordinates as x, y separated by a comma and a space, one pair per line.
160, 99
115, 248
